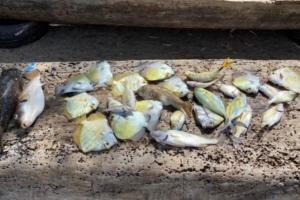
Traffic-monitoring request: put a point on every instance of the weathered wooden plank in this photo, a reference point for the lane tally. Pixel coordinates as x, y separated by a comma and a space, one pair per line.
232, 14
45, 163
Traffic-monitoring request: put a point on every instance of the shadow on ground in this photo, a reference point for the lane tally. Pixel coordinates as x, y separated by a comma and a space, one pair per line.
80, 43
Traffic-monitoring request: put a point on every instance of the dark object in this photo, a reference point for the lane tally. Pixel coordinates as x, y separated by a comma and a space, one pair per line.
17, 33
10, 87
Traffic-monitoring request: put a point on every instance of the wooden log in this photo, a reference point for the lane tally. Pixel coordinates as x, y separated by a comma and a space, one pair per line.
224, 14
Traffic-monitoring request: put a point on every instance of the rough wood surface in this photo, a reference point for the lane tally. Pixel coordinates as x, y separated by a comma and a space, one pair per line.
233, 14
44, 163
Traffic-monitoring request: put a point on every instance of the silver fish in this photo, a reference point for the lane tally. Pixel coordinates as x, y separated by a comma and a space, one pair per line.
206, 118
286, 78
229, 90
175, 85
268, 90
78, 84
177, 120
283, 97
181, 139
242, 123
247, 82
194, 84
272, 115
101, 74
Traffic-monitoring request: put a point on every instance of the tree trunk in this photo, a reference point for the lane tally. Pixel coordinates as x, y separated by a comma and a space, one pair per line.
234, 14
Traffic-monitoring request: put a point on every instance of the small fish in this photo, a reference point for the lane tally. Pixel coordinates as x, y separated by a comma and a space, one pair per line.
131, 80
208, 76
79, 105
272, 115
206, 118
194, 84
175, 85
155, 71
154, 92
268, 90
128, 98
177, 120
101, 74
77, 84
229, 90
152, 111
247, 82
210, 101
242, 123
181, 139
286, 78
10, 88
31, 103
282, 97
235, 108
117, 107
129, 127
94, 134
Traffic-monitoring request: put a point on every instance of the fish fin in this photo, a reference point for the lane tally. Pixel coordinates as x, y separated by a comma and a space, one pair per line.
238, 123
226, 63
222, 138
187, 109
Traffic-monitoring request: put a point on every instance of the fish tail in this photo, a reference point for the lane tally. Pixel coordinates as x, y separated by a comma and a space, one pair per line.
226, 64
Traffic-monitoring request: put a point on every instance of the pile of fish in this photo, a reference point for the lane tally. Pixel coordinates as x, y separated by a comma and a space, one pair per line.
137, 98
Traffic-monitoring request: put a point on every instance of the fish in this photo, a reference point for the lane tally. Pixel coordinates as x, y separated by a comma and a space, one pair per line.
117, 107
268, 90
235, 108
242, 123
101, 74
131, 80
79, 105
31, 71
129, 127
155, 71
228, 90
206, 118
154, 92
247, 82
128, 98
94, 134
10, 88
177, 120
282, 97
287, 78
175, 85
178, 138
273, 115
77, 84
210, 101
208, 76
31, 103
194, 84
152, 111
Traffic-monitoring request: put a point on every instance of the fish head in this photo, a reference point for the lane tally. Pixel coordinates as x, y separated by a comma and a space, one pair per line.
23, 115
276, 78
159, 136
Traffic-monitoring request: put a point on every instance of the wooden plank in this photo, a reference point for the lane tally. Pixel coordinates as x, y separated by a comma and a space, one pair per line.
45, 163
227, 14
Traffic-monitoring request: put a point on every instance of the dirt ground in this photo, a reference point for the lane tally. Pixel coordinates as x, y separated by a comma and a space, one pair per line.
44, 160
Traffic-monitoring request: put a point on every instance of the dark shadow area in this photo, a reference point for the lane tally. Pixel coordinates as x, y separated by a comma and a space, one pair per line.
80, 43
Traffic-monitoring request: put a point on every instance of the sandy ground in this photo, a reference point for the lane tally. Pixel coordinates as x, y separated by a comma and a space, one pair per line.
45, 161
